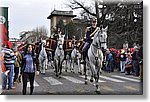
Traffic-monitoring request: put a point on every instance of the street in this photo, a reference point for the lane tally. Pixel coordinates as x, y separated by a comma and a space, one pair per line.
114, 83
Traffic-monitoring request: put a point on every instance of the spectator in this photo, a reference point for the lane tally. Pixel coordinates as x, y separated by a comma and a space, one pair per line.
141, 62
17, 65
9, 60
136, 60
122, 58
128, 64
109, 59
28, 68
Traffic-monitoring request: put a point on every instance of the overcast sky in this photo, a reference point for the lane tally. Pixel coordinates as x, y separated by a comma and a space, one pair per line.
25, 15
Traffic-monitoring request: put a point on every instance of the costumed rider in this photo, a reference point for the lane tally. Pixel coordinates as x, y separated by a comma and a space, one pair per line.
90, 32
74, 42
56, 37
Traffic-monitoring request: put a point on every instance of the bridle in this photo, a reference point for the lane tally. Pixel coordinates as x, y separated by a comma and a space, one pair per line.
96, 46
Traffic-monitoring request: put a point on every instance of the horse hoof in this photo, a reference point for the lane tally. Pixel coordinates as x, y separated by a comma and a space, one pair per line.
85, 83
91, 80
98, 92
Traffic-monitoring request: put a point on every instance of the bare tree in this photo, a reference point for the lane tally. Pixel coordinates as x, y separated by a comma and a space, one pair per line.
40, 32
124, 19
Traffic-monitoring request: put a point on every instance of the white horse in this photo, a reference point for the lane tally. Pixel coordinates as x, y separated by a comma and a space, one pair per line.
43, 58
76, 56
80, 68
59, 56
95, 56
73, 58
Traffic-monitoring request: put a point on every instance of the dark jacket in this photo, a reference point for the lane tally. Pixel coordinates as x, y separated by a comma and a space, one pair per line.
135, 56
90, 30
23, 64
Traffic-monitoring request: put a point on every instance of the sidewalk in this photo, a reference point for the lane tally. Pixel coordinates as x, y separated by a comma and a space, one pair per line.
16, 91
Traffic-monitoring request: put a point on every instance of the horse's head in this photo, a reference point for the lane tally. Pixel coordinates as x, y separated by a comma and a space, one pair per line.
104, 34
60, 41
44, 43
100, 38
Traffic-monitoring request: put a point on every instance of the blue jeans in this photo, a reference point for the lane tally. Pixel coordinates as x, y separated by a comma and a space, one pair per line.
4, 80
110, 66
86, 47
85, 50
10, 76
122, 66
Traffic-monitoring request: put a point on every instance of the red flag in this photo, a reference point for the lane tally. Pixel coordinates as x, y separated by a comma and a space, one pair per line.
3, 32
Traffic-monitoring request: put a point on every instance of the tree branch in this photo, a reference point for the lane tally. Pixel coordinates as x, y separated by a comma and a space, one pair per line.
80, 5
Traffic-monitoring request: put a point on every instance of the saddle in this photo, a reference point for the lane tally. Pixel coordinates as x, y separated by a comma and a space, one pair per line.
67, 45
51, 44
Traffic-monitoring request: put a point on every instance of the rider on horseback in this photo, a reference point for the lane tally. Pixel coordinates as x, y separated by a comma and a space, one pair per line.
90, 32
55, 37
74, 42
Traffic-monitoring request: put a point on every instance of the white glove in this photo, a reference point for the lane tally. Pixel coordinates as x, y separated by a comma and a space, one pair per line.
6, 73
37, 72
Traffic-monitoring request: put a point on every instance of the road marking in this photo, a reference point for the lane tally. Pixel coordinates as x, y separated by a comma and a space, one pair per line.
107, 88
130, 88
52, 81
122, 77
111, 79
135, 77
74, 80
35, 84
90, 78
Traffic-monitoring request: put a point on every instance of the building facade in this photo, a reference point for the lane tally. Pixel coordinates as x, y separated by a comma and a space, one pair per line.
56, 16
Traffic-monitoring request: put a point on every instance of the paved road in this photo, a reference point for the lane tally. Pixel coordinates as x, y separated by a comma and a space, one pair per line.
114, 83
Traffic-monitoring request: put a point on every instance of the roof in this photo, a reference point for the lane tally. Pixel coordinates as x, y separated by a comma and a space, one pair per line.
61, 13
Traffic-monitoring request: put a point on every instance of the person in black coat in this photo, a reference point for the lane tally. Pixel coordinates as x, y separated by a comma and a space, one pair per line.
28, 68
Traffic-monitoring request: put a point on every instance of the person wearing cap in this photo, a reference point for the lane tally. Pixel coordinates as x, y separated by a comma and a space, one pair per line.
90, 32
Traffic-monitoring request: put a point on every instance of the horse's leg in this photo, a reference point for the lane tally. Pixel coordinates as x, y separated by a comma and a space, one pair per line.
65, 65
40, 65
56, 67
92, 72
82, 66
97, 84
98, 68
60, 72
44, 66
72, 65
79, 67
85, 72
58, 64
